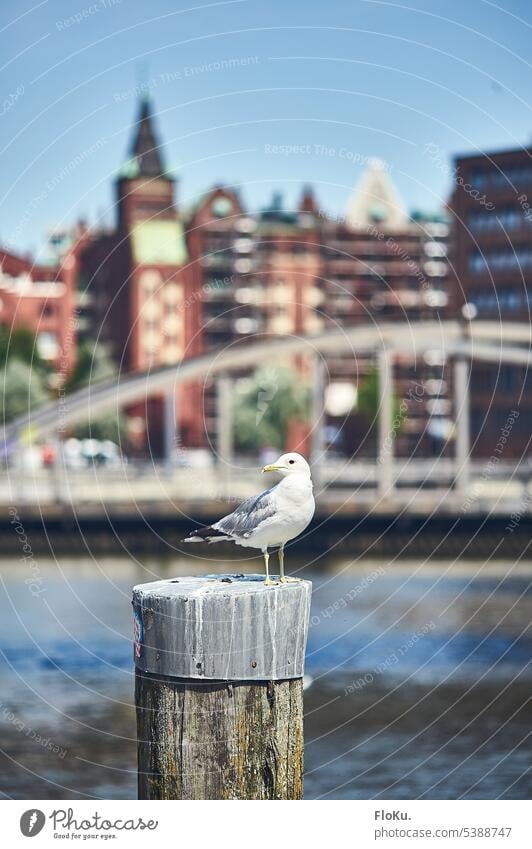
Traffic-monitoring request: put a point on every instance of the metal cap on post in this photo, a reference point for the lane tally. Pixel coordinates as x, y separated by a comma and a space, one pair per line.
222, 627
232, 650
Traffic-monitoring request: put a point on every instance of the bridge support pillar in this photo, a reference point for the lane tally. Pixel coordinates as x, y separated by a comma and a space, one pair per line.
59, 475
317, 417
224, 426
170, 436
385, 445
462, 420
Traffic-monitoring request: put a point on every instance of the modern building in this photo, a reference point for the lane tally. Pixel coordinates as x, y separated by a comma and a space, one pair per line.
492, 257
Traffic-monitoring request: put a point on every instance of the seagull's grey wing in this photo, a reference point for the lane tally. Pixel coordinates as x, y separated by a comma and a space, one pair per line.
249, 515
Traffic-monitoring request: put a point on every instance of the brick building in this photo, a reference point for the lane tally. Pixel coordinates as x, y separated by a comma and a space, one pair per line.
164, 284
258, 275
42, 298
299, 272
380, 264
167, 284
138, 280
492, 255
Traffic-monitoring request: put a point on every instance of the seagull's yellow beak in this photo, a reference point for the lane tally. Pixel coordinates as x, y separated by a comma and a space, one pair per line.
271, 469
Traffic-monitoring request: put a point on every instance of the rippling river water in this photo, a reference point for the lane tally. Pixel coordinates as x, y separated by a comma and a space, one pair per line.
420, 679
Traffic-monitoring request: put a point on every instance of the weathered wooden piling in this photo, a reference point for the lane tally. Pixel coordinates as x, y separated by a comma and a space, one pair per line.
219, 687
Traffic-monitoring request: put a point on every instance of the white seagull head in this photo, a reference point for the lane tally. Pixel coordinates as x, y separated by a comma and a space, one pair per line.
289, 464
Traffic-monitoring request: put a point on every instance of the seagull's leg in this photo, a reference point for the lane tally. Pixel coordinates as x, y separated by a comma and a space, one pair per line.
283, 579
268, 582
281, 564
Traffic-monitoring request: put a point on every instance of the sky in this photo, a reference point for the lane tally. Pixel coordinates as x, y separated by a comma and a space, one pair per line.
259, 95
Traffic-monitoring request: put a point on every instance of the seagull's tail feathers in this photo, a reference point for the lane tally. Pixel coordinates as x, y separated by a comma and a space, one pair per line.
207, 534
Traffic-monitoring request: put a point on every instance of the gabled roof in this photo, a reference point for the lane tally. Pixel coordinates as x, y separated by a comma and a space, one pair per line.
375, 200
215, 196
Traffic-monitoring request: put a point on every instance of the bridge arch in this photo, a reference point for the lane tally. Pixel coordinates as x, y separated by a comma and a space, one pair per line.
486, 341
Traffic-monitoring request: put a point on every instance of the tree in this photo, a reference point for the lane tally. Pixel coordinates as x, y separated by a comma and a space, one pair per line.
24, 375
23, 388
113, 426
365, 419
20, 343
266, 406
93, 365
368, 399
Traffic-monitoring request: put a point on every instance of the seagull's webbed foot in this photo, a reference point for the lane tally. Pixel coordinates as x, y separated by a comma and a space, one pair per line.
283, 579
269, 583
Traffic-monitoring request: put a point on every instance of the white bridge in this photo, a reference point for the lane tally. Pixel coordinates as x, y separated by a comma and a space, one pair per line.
421, 485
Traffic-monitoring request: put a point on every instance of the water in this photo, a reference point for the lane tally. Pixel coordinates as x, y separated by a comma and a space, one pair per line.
421, 679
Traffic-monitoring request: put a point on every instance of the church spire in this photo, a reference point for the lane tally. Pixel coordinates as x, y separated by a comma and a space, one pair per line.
145, 153
153, 193
308, 201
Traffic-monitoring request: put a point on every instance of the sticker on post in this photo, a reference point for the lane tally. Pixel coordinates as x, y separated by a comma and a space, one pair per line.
138, 633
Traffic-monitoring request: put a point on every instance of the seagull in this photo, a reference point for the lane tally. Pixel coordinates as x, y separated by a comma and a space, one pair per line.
272, 518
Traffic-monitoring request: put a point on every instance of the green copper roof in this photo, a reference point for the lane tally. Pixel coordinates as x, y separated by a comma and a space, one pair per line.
158, 243
129, 169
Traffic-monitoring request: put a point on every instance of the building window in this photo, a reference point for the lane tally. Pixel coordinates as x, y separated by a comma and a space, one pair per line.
47, 345
512, 176
500, 178
478, 179
221, 207
507, 218
500, 260
503, 300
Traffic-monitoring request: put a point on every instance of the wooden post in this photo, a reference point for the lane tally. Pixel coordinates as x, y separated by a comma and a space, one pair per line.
219, 694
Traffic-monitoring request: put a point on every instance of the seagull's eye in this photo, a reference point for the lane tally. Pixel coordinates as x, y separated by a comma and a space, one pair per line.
291, 462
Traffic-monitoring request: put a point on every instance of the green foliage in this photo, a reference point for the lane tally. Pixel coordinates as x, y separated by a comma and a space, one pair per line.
112, 426
368, 401
93, 364
23, 389
368, 394
19, 343
23, 373
264, 410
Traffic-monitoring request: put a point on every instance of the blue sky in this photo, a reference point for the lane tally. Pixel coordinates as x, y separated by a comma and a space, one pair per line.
268, 95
